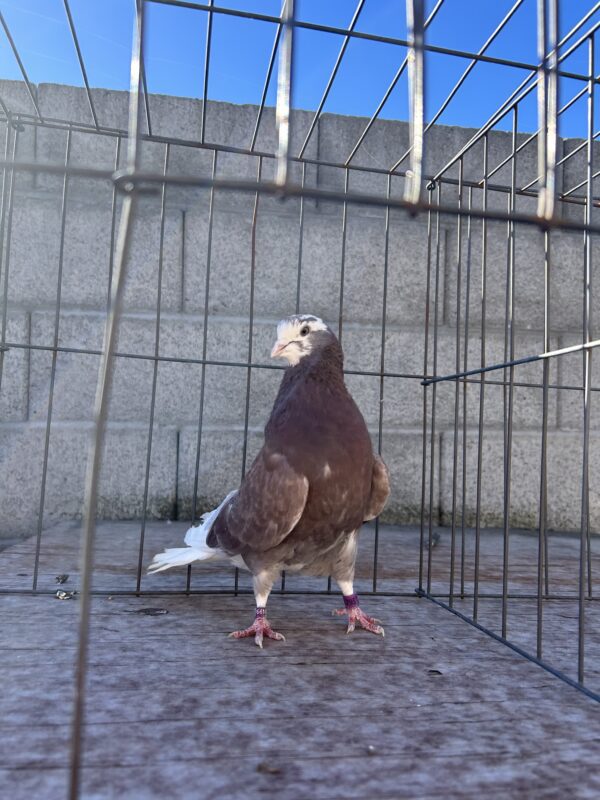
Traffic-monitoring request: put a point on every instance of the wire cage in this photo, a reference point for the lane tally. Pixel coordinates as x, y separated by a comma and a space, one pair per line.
477, 338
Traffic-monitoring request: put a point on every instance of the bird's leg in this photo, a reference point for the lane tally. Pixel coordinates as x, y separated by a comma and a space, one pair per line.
260, 627
355, 615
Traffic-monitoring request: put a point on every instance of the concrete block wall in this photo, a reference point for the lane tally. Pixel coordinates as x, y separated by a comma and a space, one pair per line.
171, 443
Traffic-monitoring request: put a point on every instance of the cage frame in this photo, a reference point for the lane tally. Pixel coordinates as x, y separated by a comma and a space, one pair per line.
423, 194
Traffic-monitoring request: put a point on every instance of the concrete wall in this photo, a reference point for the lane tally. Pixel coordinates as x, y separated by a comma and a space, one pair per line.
32, 286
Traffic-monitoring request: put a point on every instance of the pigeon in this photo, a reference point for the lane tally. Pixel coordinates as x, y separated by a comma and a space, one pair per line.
315, 481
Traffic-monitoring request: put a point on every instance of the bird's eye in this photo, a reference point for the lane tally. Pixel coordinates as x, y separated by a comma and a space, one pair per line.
304, 331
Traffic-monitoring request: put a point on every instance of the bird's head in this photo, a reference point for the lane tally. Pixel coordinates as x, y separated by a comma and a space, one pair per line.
300, 335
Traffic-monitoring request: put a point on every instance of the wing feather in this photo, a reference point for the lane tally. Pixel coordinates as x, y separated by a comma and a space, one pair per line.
380, 489
269, 503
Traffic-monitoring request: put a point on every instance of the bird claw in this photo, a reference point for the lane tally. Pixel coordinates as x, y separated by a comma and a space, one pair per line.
258, 629
356, 616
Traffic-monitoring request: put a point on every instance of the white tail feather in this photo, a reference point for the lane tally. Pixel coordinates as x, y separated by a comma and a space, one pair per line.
196, 550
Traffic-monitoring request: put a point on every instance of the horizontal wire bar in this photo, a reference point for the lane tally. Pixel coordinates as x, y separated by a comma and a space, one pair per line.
314, 26
249, 592
533, 136
583, 183
208, 361
244, 365
514, 99
101, 174
515, 362
185, 592
524, 653
359, 198
234, 12
126, 179
565, 158
82, 127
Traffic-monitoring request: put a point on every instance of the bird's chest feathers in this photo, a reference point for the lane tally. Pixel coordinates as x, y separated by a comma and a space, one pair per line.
324, 440
310, 417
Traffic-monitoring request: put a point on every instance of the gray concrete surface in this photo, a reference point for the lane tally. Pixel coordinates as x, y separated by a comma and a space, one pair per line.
32, 290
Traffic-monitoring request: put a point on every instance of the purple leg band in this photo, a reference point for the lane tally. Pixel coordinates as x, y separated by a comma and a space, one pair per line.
260, 612
351, 601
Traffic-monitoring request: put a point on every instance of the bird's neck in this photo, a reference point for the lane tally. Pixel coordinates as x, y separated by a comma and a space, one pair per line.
307, 388
323, 365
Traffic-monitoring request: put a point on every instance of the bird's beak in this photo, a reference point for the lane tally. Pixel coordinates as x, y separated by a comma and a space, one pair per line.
278, 348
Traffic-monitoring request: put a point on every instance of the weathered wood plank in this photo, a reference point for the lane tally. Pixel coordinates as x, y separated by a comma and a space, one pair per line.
176, 709
323, 778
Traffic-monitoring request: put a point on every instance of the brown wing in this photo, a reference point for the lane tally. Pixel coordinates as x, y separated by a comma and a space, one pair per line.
380, 489
267, 507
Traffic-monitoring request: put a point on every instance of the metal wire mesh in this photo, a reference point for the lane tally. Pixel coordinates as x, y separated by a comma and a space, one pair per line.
467, 196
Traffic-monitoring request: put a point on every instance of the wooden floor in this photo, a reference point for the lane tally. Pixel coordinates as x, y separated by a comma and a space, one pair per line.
175, 709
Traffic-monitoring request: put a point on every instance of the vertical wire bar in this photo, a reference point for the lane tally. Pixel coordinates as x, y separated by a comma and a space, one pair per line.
343, 254
483, 301
30, 87
211, 212
81, 62
547, 105
135, 110
386, 96
113, 223
552, 118
509, 344
584, 545
5, 110
415, 23
542, 534
263, 98
545, 399
464, 387
284, 96
5, 180
588, 316
163, 202
146, 97
519, 94
300, 243
209, 23
251, 315
91, 492
251, 343
425, 398
470, 67
101, 406
183, 258
298, 291
342, 278
434, 389
382, 364
61, 254
332, 77
459, 221
8, 182
250, 335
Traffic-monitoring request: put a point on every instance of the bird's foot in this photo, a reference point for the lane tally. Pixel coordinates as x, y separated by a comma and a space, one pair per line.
259, 629
358, 617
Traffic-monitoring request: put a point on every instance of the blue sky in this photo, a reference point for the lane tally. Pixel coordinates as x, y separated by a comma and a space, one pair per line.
241, 49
